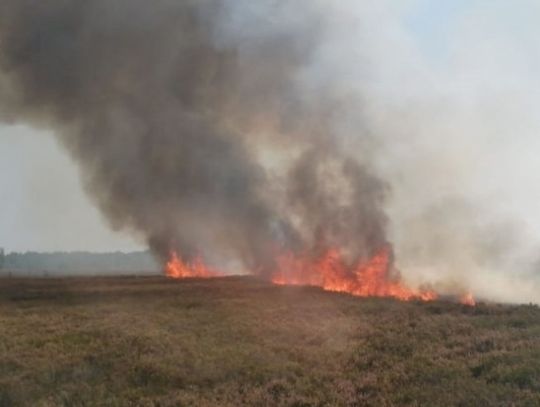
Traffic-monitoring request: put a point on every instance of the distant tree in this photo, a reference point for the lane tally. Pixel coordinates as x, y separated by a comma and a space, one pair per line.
2, 258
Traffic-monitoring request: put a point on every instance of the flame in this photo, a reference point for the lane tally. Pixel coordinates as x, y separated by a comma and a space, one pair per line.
468, 299
371, 279
177, 268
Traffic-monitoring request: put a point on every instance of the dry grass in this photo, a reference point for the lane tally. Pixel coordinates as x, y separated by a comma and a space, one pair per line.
238, 341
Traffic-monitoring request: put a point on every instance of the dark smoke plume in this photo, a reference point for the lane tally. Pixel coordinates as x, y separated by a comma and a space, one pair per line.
190, 123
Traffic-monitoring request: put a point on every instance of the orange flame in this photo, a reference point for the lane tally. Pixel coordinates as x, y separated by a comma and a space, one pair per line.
370, 279
177, 268
468, 299
330, 272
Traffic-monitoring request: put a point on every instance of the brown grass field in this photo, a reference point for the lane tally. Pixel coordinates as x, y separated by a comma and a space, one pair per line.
239, 341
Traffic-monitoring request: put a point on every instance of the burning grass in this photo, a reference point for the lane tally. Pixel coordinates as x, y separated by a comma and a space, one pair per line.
374, 278
239, 341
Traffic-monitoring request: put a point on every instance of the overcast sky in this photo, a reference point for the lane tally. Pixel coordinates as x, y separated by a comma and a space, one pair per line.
42, 205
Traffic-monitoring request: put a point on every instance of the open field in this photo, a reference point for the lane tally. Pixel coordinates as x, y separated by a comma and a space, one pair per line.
239, 341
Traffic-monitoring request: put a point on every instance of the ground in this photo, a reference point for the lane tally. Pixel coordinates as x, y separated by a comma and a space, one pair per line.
240, 341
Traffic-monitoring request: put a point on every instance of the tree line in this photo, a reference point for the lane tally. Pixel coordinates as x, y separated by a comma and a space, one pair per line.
78, 262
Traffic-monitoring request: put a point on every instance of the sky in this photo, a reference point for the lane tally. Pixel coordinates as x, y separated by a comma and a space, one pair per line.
42, 204
471, 65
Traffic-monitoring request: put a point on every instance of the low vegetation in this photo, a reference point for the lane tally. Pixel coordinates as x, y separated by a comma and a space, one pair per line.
238, 341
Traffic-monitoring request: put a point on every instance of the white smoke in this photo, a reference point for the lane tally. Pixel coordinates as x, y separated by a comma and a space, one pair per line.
455, 128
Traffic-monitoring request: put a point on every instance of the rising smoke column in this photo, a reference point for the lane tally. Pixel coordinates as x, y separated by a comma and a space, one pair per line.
190, 124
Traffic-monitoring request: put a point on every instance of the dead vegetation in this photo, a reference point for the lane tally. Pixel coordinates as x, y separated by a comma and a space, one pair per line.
239, 341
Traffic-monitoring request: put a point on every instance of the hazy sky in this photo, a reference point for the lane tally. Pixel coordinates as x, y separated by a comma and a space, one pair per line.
42, 205
479, 59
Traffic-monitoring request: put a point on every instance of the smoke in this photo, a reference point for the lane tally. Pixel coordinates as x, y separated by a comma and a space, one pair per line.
176, 113
234, 129
450, 99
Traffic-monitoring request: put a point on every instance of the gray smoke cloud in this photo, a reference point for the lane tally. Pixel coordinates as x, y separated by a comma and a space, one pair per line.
193, 125
235, 129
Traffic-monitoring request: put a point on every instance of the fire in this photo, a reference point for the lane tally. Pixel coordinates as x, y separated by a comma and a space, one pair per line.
371, 279
177, 268
368, 279
468, 299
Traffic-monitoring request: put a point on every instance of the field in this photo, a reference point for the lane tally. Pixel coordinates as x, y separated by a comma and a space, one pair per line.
239, 341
